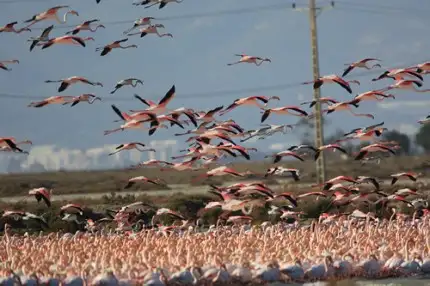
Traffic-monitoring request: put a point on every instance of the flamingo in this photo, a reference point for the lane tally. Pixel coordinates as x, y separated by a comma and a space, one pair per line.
333, 79
42, 194
278, 156
140, 22
134, 180
138, 124
52, 100
283, 111
360, 64
179, 111
151, 3
330, 183
279, 171
86, 26
365, 135
399, 74
220, 171
11, 145
130, 146
162, 104
250, 100
425, 120
129, 81
326, 100
250, 59
3, 64
9, 28
423, 67
410, 175
72, 209
44, 37
209, 115
365, 129
114, 45
406, 84
346, 105
50, 14
152, 29
373, 148
87, 97
66, 82
66, 40
329, 146
373, 95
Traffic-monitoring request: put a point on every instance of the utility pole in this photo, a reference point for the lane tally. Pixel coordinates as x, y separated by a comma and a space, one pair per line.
314, 11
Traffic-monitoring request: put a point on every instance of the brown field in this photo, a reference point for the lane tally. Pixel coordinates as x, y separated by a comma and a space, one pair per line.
89, 182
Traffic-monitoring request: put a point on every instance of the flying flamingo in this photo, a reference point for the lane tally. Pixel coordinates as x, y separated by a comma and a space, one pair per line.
250, 59
52, 100
278, 156
138, 124
410, 175
134, 180
326, 100
129, 81
425, 120
360, 64
151, 3
130, 146
219, 171
209, 115
365, 135
346, 105
332, 79
399, 74
87, 97
86, 26
152, 29
44, 37
115, 45
250, 100
42, 194
373, 148
50, 14
9, 28
329, 146
406, 84
422, 68
283, 111
140, 22
3, 64
279, 171
373, 95
365, 129
336, 180
66, 82
9, 144
66, 40
162, 104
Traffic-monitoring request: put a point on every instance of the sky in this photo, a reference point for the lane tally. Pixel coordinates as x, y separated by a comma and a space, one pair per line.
207, 34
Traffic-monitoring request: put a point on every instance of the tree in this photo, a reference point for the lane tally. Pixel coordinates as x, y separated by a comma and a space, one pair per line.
402, 139
422, 138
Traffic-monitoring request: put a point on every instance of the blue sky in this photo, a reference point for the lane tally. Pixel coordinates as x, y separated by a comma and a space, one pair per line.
195, 61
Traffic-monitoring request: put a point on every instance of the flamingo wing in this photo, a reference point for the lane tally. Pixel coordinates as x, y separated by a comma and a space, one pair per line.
343, 84
347, 70
169, 96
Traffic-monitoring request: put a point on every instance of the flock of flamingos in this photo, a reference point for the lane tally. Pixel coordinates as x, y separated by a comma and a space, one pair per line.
128, 246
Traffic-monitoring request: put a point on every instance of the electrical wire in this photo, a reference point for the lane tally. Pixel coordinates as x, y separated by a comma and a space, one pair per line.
223, 93
256, 9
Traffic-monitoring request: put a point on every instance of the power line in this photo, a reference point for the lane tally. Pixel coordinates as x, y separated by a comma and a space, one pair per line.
256, 9
223, 93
